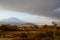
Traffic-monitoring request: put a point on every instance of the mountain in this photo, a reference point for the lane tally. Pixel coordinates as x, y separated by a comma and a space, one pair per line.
12, 20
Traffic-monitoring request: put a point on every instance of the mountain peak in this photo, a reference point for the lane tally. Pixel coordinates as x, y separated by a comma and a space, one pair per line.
12, 20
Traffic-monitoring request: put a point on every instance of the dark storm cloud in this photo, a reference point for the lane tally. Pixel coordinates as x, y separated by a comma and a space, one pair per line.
39, 7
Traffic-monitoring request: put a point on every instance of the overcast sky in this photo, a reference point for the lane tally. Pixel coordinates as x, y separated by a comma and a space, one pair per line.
47, 8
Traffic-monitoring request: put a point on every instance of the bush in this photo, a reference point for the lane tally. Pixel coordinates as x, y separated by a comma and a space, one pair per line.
23, 35
41, 35
49, 34
57, 33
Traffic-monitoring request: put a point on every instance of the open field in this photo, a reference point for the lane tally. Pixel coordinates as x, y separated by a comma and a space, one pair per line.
29, 32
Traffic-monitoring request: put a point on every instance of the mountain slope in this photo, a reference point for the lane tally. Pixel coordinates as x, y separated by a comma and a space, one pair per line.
12, 20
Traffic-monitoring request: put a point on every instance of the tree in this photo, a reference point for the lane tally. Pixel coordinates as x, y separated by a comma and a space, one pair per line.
54, 23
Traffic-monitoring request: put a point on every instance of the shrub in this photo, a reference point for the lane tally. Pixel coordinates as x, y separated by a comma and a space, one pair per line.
23, 35
49, 34
41, 35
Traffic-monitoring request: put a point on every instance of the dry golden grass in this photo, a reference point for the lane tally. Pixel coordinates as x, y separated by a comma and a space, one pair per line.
29, 32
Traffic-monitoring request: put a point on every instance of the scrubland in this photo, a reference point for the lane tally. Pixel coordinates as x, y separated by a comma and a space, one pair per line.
30, 32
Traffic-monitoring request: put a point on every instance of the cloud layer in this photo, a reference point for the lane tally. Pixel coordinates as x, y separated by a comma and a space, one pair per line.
49, 8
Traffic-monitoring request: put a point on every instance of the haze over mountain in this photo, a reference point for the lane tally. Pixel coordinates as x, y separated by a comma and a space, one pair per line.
12, 20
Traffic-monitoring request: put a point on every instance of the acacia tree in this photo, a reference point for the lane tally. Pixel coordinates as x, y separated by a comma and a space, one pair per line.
54, 23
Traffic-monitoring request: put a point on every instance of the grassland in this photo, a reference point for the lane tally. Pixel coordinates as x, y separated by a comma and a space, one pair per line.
29, 32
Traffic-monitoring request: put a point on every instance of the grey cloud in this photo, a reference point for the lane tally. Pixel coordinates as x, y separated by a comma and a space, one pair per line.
38, 7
